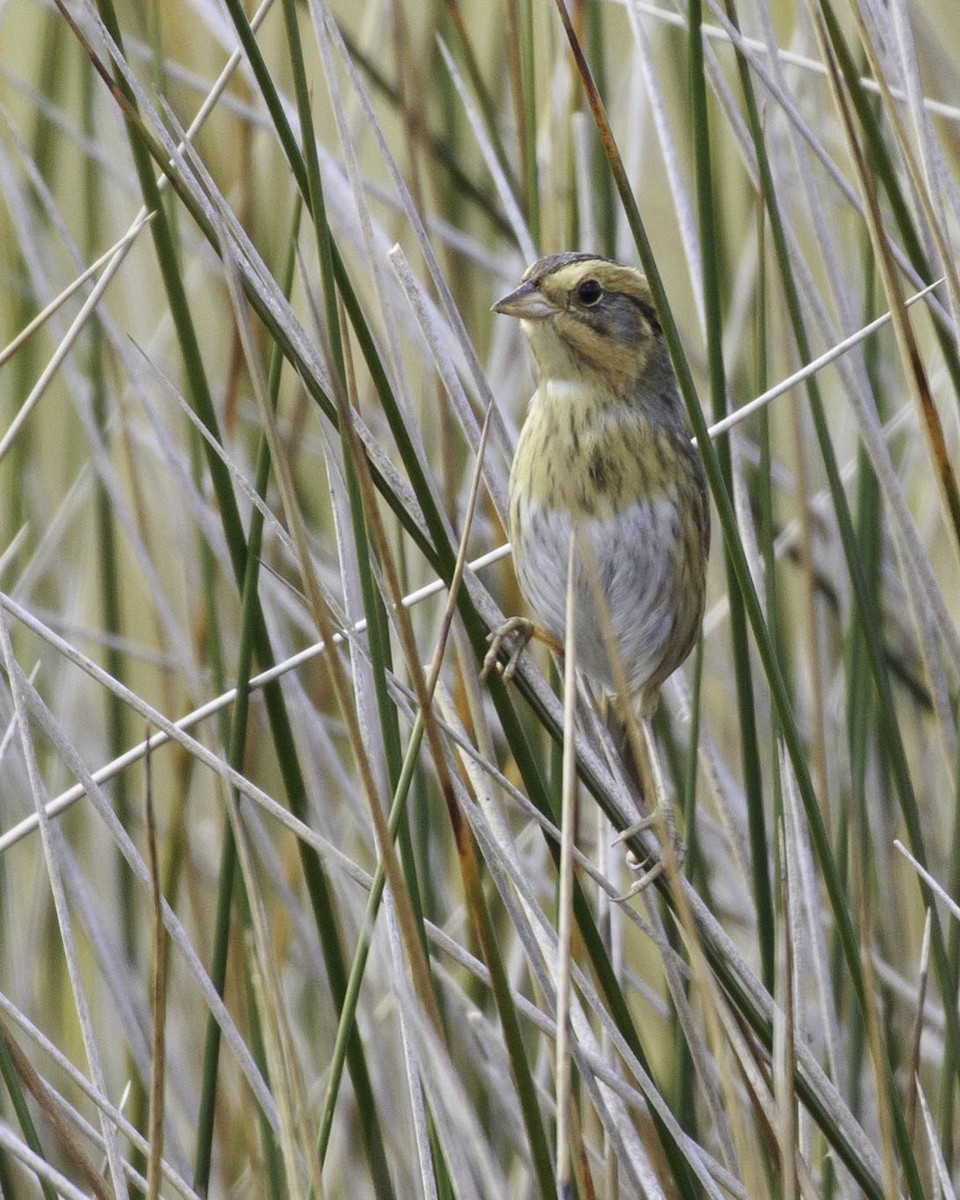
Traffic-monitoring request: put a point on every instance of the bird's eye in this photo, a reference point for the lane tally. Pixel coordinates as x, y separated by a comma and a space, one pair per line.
589, 292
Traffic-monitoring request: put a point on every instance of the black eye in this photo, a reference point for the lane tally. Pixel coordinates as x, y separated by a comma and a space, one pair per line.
589, 292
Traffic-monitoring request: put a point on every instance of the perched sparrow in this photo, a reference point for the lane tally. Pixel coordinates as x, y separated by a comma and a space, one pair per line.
606, 451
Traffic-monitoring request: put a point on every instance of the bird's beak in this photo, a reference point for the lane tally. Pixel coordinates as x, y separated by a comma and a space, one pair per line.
526, 302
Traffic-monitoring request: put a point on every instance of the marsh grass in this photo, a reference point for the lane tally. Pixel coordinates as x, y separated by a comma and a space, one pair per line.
253, 472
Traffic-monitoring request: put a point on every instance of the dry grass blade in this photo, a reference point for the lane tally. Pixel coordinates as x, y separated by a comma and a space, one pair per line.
942, 894
70, 1144
910, 353
21, 690
568, 830
23, 1155
341, 199
158, 1001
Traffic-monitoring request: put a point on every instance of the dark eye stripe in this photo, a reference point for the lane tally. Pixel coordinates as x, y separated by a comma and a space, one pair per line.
648, 311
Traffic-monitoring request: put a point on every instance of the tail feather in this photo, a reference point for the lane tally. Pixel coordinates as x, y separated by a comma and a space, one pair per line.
624, 721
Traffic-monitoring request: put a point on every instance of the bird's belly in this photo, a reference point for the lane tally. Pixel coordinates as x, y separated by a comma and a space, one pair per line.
632, 571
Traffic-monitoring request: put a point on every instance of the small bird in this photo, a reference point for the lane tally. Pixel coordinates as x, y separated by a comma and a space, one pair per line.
605, 451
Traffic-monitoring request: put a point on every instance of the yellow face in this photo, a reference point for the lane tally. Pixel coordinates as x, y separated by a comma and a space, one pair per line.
586, 317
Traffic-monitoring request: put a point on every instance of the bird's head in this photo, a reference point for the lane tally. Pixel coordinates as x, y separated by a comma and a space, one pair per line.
588, 319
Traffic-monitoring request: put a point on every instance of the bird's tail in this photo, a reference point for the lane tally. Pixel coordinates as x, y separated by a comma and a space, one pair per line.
625, 724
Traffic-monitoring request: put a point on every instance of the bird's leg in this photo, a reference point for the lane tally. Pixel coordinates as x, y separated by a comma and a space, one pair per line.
660, 817
521, 631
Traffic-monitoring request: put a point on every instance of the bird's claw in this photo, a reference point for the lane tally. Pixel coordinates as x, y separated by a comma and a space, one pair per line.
518, 629
662, 815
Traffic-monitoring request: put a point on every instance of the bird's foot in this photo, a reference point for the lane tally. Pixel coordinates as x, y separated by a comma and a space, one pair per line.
672, 849
519, 631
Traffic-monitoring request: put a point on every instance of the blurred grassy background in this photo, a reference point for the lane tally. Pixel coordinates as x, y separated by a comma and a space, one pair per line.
266, 428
